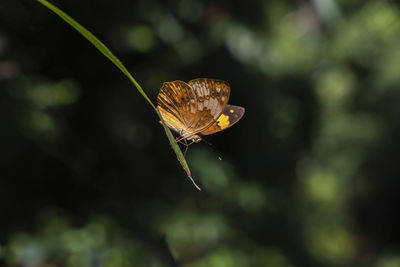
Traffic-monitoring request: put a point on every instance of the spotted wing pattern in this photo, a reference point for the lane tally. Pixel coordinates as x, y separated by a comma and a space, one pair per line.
175, 101
230, 116
212, 96
189, 108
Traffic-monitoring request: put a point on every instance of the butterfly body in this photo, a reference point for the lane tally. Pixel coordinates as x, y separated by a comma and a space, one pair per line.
199, 107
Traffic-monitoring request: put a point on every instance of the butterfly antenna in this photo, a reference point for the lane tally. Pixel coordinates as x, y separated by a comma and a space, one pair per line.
211, 146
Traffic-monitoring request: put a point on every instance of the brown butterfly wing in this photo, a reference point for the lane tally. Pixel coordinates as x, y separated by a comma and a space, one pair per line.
230, 116
173, 122
212, 97
189, 108
177, 103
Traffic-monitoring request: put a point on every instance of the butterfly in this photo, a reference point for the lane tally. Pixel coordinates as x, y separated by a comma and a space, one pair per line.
198, 107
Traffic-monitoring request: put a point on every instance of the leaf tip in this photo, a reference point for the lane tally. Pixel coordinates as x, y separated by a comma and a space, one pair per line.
194, 183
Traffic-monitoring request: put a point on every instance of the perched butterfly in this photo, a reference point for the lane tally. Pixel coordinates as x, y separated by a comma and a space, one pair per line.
199, 107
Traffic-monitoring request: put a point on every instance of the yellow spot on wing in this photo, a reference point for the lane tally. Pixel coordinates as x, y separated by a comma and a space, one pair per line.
231, 111
223, 121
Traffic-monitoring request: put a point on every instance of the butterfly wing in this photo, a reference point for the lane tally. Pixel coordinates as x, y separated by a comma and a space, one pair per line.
212, 96
230, 116
171, 120
189, 108
178, 105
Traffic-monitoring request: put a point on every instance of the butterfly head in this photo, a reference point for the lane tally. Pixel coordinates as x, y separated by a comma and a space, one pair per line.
195, 138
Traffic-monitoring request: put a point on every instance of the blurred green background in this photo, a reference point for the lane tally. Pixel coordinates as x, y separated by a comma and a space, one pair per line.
309, 176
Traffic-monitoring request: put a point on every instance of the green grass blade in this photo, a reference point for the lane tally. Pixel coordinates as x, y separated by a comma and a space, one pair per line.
97, 43
179, 154
106, 52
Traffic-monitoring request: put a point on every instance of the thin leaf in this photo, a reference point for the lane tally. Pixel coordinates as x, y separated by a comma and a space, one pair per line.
105, 51
180, 156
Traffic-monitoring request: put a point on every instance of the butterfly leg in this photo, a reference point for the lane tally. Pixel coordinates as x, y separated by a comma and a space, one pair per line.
184, 142
179, 139
186, 148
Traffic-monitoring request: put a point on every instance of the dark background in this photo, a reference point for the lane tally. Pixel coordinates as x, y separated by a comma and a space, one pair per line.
309, 176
